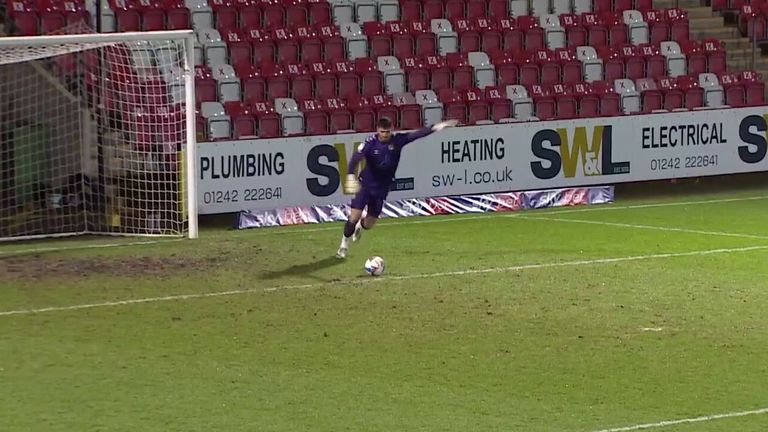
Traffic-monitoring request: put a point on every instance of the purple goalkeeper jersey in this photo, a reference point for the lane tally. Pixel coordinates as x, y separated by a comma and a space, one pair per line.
381, 160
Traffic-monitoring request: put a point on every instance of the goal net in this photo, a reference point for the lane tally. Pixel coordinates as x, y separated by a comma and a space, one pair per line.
97, 135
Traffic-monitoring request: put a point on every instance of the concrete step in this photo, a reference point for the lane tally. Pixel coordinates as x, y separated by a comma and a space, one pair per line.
706, 23
699, 12
682, 4
746, 64
740, 53
736, 43
715, 33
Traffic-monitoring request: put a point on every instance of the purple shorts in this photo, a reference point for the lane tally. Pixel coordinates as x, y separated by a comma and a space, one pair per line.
364, 198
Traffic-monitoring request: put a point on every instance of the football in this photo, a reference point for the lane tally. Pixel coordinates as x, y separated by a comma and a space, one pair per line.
374, 266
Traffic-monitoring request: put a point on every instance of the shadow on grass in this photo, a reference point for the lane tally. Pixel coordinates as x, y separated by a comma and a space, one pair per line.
305, 270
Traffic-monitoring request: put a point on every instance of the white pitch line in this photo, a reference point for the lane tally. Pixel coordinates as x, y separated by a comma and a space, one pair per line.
558, 210
84, 246
550, 210
383, 279
397, 221
646, 227
665, 423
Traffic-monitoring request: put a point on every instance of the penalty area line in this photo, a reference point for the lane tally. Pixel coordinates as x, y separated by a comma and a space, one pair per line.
701, 419
644, 227
522, 267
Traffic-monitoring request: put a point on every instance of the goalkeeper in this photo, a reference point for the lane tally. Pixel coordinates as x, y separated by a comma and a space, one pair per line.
381, 152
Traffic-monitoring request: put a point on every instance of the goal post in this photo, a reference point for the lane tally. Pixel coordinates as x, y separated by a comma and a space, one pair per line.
97, 135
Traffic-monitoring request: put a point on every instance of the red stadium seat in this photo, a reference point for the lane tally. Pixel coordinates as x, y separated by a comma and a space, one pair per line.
588, 102
253, 84
650, 96
333, 44
674, 98
543, 101
462, 73
500, 105
478, 108
439, 72
507, 70
454, 107
267, 119
363, 113
416, 74
610, 104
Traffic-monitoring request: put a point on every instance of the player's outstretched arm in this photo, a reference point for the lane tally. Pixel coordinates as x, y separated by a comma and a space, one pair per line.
421, 133
444, 124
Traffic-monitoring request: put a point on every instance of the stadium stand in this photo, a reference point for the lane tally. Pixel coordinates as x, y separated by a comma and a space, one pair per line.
271, 68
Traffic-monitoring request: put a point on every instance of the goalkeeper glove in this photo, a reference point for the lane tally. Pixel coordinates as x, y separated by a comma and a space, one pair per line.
444, 124
352, 185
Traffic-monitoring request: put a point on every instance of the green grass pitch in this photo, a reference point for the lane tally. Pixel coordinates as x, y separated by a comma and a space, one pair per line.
574, 320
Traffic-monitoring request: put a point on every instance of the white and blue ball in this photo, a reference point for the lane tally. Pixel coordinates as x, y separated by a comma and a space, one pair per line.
374, 266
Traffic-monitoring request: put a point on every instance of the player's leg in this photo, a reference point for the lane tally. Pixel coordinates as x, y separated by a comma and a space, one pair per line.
355, 215
375, 206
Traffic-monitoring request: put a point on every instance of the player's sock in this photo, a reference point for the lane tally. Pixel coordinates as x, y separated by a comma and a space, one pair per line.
358, 230
349, 229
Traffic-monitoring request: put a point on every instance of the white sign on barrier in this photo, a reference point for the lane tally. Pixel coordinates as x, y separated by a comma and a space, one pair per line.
266, 174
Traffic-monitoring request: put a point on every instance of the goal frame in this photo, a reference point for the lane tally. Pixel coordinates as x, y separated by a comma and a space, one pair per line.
190, 166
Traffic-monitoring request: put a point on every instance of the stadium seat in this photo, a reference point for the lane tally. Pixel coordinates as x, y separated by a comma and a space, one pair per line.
243, 124
447, 40
716, 58
674, 99
200, 13
385, 107
254, 85
334, 46
262, 47
277, 79
302, 83
735, 94
206, 89
507, 71
692, 91
676, 62
454, 107
545, 107
651, 99
228, 83
379, 39
575, 33
754, 87
588, 102
356, 43
610, 104
431, 107
500, 105
291, 119
629, 97
554, 33
462, 73
392, 74
389, 10
267, 120
363, 113
636, 26
566, 102
218, 123
238, 46
522, 104
591, 64
714, 94
315, 117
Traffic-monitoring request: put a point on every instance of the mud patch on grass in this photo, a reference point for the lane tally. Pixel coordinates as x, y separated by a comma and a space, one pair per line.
39, 267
